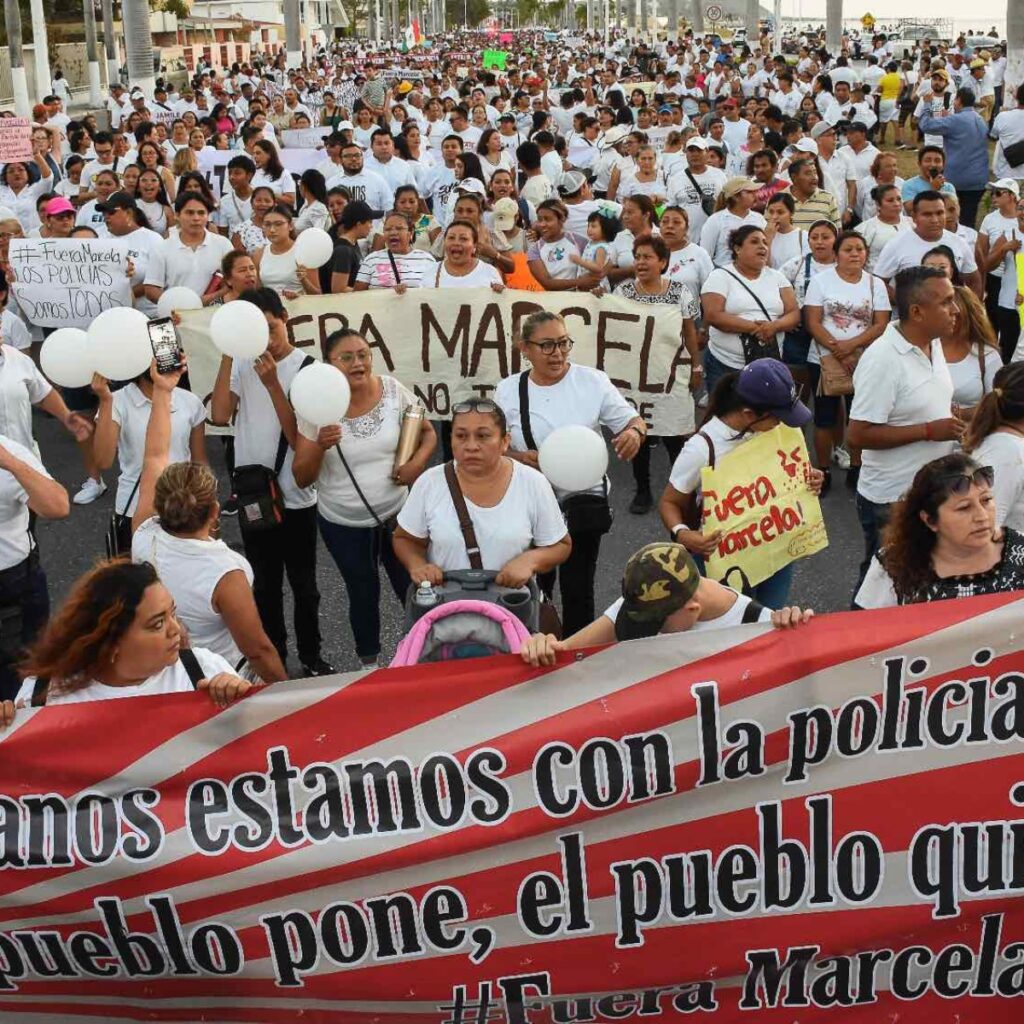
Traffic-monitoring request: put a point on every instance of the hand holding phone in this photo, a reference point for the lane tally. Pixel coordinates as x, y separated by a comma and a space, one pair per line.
167, 350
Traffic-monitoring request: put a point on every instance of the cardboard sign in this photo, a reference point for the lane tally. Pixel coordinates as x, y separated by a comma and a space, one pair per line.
451, 344
495, 59
15, 139
305, 138
68, 282
758, 497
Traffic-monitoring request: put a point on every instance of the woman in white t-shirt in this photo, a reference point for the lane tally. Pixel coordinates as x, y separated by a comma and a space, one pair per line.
845, 310
460, 267
996, 438
735, 209
745, 298
519, 527
996, 235
359, 491
85, 653
174, 529
548, 255
757, 398
890, 220
971, 352
688, 263
785, 242
560, 393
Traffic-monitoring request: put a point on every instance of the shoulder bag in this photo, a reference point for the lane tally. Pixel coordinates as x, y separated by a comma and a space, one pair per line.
753, 347
694, 518
119, 530
835, 380
391, 523
584, 512
1014, 153
258, 490
707, 203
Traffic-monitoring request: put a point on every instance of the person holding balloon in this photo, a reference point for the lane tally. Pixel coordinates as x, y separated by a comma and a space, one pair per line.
350, 425
278, 263
551, 395
257, 370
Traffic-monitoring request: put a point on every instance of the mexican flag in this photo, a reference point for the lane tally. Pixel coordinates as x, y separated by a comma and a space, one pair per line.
413, 36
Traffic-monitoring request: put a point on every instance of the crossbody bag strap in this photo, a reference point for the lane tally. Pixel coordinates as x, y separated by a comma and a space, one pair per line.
524, 410
191, 665
695, 184
282, 443
355, 484
752, 613
750, 292
462, 511
131, 497
711, 448
394, 266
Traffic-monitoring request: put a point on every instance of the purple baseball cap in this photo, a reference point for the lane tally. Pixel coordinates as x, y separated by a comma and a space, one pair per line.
768, 385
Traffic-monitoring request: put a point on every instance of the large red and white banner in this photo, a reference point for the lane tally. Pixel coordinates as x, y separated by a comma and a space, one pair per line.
802, 826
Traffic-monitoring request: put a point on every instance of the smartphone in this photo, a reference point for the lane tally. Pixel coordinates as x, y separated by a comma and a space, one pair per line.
945, 100
167, 349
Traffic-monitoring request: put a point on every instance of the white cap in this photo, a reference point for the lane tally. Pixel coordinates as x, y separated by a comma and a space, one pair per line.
696, 142
1006, 185
807, 146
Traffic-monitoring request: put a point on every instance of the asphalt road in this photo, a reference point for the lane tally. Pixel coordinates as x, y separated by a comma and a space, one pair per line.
823, 582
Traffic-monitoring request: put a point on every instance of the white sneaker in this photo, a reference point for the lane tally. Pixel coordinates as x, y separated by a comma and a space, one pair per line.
90, 491
841, 457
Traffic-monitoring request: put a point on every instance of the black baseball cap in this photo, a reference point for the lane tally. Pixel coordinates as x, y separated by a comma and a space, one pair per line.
117, 201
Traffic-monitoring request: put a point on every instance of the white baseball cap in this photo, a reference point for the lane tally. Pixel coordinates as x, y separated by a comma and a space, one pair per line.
1006, 185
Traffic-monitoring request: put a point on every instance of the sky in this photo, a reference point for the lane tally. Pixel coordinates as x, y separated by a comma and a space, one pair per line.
989, 11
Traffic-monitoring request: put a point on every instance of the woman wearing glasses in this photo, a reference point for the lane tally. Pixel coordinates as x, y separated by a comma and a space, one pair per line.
518, 526
943, 541
560, 394
358, 490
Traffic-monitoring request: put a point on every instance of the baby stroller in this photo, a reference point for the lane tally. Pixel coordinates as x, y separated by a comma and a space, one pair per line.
467, 616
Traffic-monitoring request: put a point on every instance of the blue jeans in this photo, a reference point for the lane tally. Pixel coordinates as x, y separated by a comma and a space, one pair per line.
714, 370
772, 593
359, 552
873, 517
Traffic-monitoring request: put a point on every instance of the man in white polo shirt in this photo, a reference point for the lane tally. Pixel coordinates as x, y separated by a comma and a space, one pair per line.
190, 258
902, 414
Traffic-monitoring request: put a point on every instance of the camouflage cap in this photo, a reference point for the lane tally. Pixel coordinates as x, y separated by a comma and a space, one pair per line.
658, 580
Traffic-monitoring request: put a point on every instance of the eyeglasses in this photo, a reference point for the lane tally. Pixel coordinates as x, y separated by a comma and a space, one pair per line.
549, 346
960, 483
474, 405
346, 358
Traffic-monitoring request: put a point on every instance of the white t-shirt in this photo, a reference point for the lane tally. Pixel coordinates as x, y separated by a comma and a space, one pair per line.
15, 540
527, 516
728, 348
191, 570
130, 412
727, 620
138, 246
258, 430
995, 226
690, 265
583, 397
369, 443
897, 385
13, 332
483, 275
846, 309
555, 256
714, 236
908, 249
877, 234
21, 387
1004, 452
966, 375
696, 454
173, 679
681, 192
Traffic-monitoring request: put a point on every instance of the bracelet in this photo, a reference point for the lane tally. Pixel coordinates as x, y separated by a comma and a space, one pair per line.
696, 369
679, 526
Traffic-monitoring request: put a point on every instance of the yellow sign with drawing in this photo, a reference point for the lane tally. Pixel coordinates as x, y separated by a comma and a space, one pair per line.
868, 21
758, 498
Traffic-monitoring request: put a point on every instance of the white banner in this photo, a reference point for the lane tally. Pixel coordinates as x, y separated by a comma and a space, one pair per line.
213, 163
68, 282
304, 138
451, 344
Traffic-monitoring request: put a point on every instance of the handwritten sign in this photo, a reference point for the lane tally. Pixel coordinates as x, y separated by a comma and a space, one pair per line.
15, 139
757, 496
68, 282
495, 59
213, 164
305, 138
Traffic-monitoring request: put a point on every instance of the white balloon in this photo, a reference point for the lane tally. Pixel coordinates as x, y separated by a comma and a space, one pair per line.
178, 298
320, 394
313, 248
119, 345
66, 359
240, 330
574, 458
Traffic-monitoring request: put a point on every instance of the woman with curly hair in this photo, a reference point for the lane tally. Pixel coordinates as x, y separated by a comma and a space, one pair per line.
942, 541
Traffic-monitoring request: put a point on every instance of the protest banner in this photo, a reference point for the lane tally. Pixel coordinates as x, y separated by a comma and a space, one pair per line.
15, 139
495, 59
758, 498
163, 115
451, 344
213, 164
731, 825
305, 138
68, 282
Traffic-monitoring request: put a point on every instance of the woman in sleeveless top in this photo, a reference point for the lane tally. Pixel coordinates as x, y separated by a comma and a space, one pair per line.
276, 260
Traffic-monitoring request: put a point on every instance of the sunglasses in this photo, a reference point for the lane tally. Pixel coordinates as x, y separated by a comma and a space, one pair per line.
474, 405
960, 484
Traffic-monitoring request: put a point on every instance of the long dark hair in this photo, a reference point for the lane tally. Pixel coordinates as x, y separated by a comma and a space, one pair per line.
1003, 404
273, 168
907, 541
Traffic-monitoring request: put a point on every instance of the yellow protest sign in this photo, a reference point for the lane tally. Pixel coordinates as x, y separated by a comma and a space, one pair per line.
1020, 283
759, 498
868, 21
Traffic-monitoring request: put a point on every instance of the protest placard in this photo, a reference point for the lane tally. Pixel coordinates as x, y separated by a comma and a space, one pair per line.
451, 344
163, 115
15, 139
758, 497
213, 164
818, 826
68, 282
495, 59
305, 138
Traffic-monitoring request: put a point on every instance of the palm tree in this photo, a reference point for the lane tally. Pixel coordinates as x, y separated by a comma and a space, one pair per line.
138, 44
110, 43
12, 22
834, 25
